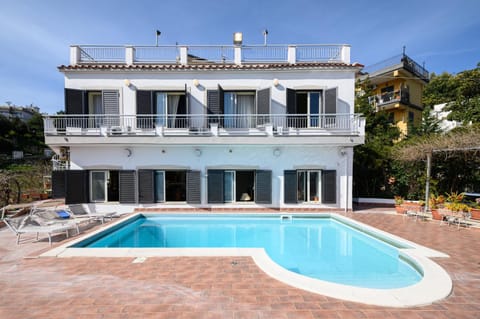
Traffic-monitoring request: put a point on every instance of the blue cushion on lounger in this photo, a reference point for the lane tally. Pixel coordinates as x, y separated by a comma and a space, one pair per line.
63, 214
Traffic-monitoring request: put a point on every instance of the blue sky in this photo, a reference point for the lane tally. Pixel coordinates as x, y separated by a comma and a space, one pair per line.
35, 35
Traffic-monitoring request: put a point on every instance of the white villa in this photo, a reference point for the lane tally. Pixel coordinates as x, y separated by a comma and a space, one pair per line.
190, 126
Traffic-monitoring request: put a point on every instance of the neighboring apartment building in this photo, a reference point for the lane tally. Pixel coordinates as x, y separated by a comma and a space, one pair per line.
398, 85
441, 115
207, 126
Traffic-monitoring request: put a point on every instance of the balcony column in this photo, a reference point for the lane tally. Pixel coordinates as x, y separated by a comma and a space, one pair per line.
183, 55
74, 54
237, 51
346, 53
129, 54
292, 54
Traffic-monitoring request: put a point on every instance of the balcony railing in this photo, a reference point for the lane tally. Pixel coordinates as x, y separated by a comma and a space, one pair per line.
399, 96
204, 125
189, 54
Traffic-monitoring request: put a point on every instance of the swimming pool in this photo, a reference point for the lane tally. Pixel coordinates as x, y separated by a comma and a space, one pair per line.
322, 253
321, 248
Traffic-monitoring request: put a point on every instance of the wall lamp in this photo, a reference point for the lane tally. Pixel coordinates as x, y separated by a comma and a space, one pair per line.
276, 82
196, 82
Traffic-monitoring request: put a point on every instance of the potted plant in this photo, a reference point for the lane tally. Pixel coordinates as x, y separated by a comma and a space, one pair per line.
475, 209
436, 202
398, 204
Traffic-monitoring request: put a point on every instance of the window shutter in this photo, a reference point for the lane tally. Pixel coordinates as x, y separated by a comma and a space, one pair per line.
193, 187
291, 101
187, 102
263, 187
215, 186
263, 106
58, 184
144, 107
127, 189
221, 98
111, 107
74, 101
76, 187
146, 186
290, 187
331, 101
329, 187
212, 102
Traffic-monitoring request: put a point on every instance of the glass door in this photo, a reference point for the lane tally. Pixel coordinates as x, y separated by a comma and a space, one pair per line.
229, 186
160, 186
314, 109
98, 187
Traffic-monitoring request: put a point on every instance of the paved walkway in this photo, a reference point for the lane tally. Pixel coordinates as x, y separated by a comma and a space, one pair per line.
213, 287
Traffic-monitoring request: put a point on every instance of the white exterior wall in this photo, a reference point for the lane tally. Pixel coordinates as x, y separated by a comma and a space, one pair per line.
226, 157
238, 80
243, 155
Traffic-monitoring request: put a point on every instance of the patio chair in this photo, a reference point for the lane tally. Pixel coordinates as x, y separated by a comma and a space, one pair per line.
36, 225
79, 211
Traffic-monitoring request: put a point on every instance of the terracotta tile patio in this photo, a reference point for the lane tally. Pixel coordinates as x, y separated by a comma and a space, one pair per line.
213, 287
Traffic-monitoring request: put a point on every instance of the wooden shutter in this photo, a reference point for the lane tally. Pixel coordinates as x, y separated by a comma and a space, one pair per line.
111, 107
144, 107
76, 187
331, 101
58, 184
127, 189
75, 101
263, 187
215, 186
290, 187
329, 186
193, 187
212, 102
146, 186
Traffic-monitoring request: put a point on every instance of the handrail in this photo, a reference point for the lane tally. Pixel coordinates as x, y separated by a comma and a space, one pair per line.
78, 124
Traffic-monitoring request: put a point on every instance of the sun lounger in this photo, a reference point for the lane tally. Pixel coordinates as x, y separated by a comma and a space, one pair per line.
79, 211
35, 225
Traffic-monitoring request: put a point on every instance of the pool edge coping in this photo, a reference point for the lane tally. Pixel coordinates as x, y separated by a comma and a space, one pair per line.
435, 285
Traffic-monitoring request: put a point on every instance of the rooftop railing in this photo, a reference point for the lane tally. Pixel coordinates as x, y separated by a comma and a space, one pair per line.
190, 54
183, 124
402, 60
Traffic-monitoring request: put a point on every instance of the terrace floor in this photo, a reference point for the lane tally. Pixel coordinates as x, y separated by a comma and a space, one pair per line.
215, 287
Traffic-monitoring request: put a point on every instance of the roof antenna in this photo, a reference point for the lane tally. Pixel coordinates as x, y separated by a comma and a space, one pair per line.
265, 34
157, 36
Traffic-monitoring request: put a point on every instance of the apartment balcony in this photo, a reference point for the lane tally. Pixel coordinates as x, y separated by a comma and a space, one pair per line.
207, 54
199, 128
390, 100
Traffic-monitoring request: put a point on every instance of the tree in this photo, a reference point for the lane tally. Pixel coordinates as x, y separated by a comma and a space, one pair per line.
372, 165
466, 105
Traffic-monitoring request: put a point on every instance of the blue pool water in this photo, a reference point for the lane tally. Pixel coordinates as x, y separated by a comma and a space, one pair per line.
321, 248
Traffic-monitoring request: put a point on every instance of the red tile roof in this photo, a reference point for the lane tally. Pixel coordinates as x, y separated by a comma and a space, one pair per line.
210, 66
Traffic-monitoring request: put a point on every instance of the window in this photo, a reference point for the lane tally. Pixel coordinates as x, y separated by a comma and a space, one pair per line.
158, 186
386, 94
310, 108
411, 117
239, 108
170, 186
307, 186
162, 108
104, 186
233, 186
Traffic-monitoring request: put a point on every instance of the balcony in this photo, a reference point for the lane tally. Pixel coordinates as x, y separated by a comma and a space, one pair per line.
389, 99
205, 125
205, 54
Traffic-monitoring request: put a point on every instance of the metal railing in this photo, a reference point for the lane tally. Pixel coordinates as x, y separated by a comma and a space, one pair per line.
315, 53
163, 54
99, 124
211, 53
93, 53
402, 96
400, 60
263, 53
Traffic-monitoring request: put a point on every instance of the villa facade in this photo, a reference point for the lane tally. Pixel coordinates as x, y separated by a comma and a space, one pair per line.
207, 126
